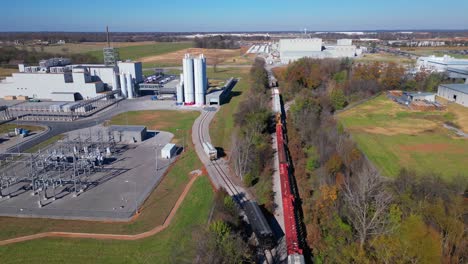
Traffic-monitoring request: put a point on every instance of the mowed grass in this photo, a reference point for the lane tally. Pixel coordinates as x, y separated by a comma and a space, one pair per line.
394, 137
137, 52
84, 47
384, 57
157, 206
176, 244
5, 128
5, 72
223, 123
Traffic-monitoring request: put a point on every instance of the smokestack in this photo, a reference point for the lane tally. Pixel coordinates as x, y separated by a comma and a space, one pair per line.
107, 32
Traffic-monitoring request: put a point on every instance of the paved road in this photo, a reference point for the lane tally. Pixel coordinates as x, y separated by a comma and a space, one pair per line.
56, 128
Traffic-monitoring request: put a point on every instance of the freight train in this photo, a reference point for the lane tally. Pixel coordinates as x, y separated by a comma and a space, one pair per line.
288, 198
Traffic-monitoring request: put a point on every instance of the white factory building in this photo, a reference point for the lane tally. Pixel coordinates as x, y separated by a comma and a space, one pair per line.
440, 64
294, 49
457, 93
193, 82
58, 80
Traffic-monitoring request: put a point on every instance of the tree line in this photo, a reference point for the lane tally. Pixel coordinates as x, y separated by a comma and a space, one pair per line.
9, 54
351, 213
251, 147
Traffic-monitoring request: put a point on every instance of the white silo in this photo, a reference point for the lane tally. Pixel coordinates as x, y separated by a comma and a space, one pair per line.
189, 89
130, 86
123, 85
200, 79
180, 90
114, 82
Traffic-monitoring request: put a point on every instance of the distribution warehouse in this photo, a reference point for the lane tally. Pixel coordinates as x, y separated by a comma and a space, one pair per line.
294, 49
57, 80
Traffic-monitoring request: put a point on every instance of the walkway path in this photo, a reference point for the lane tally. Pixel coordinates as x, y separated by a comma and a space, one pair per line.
151, 232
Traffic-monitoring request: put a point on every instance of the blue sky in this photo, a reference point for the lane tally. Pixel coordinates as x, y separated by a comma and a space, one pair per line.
231, 15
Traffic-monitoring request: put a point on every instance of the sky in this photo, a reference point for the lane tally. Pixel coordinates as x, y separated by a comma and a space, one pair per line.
232, 15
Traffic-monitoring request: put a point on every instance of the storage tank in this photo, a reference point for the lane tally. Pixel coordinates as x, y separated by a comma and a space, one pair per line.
114, 82
189, 89
130, 86
180, 90
123, 85
200, 80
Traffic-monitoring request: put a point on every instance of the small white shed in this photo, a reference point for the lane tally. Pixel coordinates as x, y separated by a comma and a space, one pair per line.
168, 151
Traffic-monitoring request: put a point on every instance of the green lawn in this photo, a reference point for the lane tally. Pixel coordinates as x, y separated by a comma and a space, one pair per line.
173, 245
394, 137
10, 127
223, 123
136, 52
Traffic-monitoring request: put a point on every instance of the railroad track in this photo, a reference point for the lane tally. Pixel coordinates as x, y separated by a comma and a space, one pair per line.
230, 187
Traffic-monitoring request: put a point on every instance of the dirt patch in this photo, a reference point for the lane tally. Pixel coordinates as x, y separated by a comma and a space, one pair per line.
212, 55
429, 148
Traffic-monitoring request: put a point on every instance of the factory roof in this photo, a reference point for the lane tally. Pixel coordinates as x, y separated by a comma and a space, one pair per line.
458, 70
419, 93
127, 128
462, 88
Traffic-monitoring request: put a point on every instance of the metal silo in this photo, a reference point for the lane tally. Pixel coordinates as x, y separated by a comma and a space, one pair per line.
130, 86
123, 85
180, 90
114, 82
200, 79
189, 89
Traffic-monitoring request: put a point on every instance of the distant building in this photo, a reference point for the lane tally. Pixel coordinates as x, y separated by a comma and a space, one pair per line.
457, 93
439, 64
294, 49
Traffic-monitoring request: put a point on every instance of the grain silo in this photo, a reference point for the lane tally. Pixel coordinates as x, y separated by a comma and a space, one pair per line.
180, 90
130, 86
189, 89
200, 79
123, 85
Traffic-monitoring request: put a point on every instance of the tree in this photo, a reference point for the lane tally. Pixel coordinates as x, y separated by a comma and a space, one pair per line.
367, 203
338, 99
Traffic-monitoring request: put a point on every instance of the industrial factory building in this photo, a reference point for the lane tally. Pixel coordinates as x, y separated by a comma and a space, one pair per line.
57, 80
457, 93
440, 64
193, 82
294, 49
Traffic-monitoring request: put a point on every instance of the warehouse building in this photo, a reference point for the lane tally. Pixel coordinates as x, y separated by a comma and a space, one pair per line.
457, 93
128, 134
57, 80
440, 64
294, 49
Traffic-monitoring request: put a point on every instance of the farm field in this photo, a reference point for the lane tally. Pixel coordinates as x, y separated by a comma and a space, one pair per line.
141, 51
394, 137
222, 56
158, 205
84, 47
176, 244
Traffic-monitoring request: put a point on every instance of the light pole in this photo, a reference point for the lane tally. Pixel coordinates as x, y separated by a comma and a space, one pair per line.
135, 195
156, 156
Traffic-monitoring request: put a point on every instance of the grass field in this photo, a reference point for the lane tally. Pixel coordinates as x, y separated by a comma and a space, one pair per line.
223, 123
5, 128
86, 46
173, 245
394, 137
384, 57
141, 51
5, 72
157, 206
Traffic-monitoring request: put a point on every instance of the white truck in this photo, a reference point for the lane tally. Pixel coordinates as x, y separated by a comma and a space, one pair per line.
210, 151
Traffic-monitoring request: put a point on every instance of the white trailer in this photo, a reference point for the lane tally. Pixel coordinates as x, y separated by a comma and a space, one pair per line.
168, 151
210, 151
